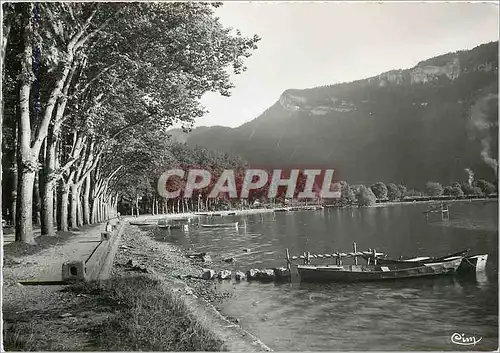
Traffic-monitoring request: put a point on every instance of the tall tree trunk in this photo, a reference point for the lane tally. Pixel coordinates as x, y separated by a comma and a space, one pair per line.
56, 200
48, 183
46, 204
6, 32
13, 195
99, 210
26, 161
64, 208
105, 206
24, 222
94, 211
36, 194
86, 201
75, 195
79, 208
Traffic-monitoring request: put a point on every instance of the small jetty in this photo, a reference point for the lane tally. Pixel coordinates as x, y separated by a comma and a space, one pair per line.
441, 208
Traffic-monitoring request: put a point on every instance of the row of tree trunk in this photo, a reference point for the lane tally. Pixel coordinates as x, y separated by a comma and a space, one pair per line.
55, 164
159, 205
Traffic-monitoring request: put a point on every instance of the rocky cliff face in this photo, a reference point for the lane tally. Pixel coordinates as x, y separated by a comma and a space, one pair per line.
405, 126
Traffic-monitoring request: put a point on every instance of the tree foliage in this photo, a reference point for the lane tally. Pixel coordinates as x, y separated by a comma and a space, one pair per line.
107, 81
455, 191
393, 192
379, 190
485, 186
347, 197
433, 188
366, 197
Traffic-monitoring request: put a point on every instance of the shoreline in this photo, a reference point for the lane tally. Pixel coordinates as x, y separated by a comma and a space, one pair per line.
168, 263
395, 203
236, 212
154, 300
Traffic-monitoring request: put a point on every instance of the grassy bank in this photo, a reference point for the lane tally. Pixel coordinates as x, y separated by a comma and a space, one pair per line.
154, 301
121, 314
147, 319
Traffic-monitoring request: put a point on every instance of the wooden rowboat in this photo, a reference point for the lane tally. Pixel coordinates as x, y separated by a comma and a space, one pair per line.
142, 224
220, 225
475, 263
354, 273
420, 259
170, 226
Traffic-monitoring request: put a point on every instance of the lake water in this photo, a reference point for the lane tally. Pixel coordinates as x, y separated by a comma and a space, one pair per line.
412, 314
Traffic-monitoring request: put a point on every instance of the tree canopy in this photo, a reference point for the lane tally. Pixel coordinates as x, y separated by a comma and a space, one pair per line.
90, 90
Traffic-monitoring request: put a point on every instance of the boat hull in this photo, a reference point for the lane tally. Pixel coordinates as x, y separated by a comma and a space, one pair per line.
472, 264
421, 260
139, 224
356, 273
171, 226
222, 225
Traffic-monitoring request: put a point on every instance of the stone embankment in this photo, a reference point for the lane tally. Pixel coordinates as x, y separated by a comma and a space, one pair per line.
280, 274
139, 253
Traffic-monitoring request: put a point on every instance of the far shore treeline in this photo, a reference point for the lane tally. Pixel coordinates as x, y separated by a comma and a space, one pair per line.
142, 196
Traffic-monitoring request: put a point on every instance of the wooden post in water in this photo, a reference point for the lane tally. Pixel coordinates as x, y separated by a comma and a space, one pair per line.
445, 214
287, 254
355, 253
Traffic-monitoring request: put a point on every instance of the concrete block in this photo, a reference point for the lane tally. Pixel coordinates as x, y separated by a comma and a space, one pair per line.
74, 271
105, 236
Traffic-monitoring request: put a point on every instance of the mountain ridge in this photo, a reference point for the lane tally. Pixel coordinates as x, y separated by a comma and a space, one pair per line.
370, 129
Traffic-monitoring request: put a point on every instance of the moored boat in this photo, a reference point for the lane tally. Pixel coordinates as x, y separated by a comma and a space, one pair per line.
476, 263
221, 225
171, 226
282, 209
420, 259
377, 267
142, 224
350, 273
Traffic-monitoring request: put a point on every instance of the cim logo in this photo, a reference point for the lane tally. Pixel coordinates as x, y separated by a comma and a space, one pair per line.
214, 182
464, 340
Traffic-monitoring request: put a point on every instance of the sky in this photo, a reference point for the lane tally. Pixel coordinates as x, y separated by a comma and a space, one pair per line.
306, 45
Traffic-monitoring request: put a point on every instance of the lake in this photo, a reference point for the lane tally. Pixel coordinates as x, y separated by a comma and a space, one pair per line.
411, 314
